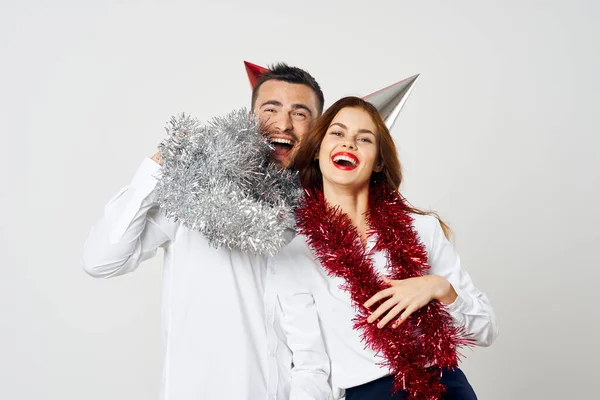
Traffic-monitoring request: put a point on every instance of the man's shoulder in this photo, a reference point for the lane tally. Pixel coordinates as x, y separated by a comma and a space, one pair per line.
296, 254
295, 262
298, 246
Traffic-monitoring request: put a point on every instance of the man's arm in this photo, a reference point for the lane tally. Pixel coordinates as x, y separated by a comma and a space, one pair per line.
310, 373
311, 365
131, 229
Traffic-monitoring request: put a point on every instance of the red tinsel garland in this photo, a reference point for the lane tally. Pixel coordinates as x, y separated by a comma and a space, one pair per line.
428, 337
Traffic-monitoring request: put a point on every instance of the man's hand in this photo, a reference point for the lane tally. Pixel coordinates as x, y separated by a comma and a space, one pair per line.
407, 296
157, 158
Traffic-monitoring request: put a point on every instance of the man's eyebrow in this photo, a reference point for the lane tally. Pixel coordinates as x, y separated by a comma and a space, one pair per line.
302, 107
272, 102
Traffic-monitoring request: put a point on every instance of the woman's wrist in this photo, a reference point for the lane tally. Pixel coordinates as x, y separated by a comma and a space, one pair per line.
444, 291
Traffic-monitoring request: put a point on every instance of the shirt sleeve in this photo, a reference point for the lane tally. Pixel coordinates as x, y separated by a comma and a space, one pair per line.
310, 372
471, 309
131, 229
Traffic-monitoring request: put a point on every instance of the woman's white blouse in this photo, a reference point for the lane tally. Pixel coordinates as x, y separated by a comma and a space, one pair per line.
312, 301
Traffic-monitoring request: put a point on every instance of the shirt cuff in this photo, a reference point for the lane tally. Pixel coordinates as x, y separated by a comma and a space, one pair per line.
457, 309
147, 175
142, 184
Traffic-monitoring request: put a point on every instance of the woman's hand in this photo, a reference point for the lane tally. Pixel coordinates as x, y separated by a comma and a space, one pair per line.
406, 296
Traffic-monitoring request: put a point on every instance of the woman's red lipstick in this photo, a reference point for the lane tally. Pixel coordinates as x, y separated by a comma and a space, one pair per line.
345, 161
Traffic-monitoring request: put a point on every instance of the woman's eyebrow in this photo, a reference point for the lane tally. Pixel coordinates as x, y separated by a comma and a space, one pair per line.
339, 124
345, 127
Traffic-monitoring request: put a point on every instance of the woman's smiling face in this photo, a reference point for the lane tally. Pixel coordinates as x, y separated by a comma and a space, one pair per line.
349, 154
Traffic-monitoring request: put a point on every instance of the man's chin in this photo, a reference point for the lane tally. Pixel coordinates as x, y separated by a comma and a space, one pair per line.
282, 163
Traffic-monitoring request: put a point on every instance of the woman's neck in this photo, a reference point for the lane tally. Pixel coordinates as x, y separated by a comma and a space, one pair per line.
353, 202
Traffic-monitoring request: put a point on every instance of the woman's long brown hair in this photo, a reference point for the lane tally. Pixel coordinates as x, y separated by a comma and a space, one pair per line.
391, 173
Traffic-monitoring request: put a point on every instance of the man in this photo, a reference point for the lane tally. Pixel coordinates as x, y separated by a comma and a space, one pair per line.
218, 308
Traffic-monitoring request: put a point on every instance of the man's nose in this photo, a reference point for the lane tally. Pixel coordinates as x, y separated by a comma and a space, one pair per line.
283, 122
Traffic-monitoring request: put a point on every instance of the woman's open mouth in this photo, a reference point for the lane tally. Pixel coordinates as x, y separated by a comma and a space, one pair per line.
345, 161
283, 146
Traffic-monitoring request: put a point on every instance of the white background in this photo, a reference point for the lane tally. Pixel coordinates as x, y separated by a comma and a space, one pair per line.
500, 136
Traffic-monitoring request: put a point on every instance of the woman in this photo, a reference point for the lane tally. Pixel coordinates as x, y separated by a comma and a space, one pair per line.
393, 302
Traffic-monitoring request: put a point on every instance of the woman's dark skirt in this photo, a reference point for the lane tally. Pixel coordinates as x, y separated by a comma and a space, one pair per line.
457, 388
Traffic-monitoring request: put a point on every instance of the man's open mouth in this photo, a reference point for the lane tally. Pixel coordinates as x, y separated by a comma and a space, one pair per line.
282, 145
345, 161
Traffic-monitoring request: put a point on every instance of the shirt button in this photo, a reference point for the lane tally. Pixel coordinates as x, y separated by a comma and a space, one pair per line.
273, 271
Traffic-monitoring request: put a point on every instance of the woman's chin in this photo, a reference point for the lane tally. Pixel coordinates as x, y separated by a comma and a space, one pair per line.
348, 183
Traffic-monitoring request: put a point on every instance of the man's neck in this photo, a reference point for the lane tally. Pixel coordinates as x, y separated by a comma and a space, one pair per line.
352, 201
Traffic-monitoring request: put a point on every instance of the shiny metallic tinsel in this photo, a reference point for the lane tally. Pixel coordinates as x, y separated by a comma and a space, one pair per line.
216, 179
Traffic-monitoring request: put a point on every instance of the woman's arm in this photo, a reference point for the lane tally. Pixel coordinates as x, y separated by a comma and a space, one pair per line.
471, 307
131, 229
446, 282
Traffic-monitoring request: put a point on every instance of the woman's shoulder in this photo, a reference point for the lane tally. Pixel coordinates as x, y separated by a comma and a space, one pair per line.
427, 227
424, 223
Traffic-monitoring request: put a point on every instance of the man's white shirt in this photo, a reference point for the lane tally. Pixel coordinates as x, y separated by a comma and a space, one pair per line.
221, 317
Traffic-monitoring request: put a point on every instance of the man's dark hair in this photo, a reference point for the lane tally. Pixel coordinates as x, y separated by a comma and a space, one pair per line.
286, 73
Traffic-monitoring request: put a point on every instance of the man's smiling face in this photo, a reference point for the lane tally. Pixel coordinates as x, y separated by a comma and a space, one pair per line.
288, 112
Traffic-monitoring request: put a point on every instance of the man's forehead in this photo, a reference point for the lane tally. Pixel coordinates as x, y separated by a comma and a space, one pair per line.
286, 93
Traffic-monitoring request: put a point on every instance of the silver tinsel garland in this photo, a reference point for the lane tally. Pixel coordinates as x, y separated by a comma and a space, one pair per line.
216, 179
